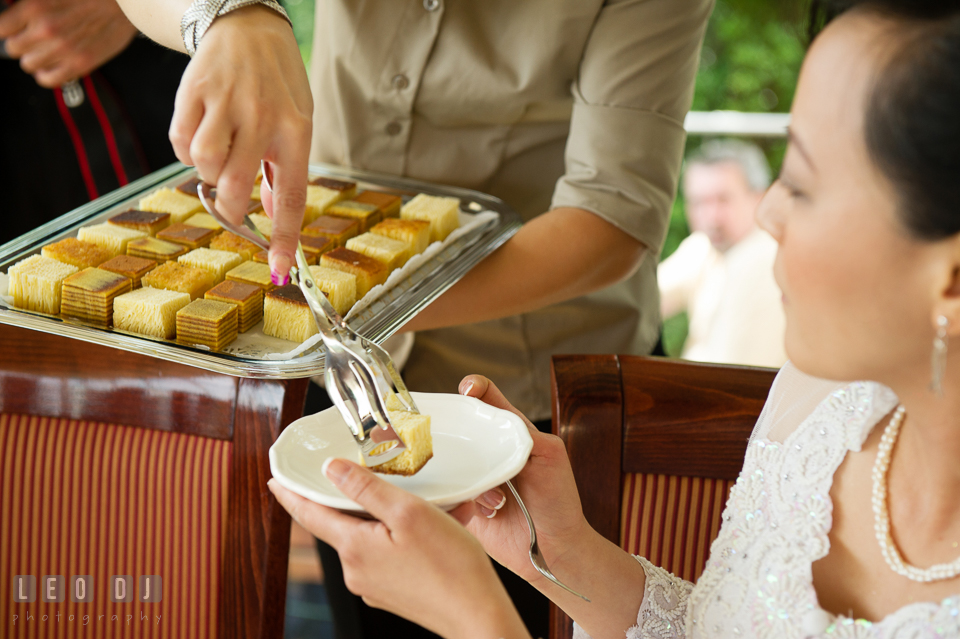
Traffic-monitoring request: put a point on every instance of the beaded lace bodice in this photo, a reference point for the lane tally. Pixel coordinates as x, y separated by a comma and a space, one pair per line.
758, 581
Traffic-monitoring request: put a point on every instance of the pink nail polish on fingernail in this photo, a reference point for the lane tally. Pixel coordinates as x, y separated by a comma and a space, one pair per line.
278, 280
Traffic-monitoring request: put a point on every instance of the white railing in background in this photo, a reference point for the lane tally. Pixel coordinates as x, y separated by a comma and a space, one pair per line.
771, 125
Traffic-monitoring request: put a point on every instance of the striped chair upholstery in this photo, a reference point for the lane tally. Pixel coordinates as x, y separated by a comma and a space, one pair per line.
88, 498
119, 464
655, 446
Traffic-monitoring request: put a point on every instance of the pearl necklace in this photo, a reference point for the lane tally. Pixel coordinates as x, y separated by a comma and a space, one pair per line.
881, 518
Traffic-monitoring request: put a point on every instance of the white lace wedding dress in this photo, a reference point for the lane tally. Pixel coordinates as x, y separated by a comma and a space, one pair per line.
758, 580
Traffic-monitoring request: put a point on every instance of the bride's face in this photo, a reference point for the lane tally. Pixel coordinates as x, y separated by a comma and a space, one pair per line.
859, 292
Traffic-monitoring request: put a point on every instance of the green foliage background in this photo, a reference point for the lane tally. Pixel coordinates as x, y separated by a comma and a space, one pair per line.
750, 61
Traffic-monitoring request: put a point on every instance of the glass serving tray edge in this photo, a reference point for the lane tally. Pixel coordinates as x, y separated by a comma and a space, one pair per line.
379, 321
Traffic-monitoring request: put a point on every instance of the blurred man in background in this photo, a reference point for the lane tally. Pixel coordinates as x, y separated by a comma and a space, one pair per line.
722, 274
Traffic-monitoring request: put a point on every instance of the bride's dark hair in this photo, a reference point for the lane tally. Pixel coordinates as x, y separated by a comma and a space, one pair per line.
912, 123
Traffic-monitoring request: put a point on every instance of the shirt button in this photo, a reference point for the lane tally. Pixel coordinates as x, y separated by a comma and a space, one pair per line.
431, 5
393, 128
400, 82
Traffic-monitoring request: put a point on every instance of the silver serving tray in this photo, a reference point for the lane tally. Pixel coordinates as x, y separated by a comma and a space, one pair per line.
377, 322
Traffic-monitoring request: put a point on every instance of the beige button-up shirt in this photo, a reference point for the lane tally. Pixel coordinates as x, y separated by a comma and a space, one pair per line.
542, 103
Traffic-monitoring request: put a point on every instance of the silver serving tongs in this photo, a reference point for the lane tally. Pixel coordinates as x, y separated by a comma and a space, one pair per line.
358, 373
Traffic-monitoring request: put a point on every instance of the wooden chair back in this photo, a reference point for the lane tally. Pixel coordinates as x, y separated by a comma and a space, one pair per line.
655, 445
113, 463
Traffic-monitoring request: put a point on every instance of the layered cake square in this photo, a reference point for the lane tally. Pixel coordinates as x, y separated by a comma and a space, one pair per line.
173, 276
77, 252
286, 314
209, 323
217, 263
247, 297
443, 213
368, 271
149, 311
89, 294
36, 282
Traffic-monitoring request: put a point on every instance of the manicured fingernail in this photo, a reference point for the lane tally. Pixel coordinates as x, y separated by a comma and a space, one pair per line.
465, 390
280, 270
488, 513
335, 470
493, 499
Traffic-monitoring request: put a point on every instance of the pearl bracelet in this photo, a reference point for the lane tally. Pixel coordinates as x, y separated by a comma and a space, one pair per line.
202, 13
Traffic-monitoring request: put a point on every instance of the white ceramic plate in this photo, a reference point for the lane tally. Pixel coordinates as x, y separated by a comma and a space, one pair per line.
475, 447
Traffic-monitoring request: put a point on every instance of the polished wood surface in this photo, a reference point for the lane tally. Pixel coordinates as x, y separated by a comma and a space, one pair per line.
689, 419
52, 376
627, 414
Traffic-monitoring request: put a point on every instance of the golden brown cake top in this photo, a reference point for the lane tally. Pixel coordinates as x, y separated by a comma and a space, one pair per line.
238, 292
261, 257
228, 241
252, 271
129, 265
185, 234
336, 185
189, 187
290, 294
206, 310
392, 223
354, 259
316, 244
175, 275
352, 208
95, 280
77, 252
383, 201
330, 225
153, 246
136, 218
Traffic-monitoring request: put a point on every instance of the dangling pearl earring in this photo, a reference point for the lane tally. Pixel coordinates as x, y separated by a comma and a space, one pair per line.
938, 360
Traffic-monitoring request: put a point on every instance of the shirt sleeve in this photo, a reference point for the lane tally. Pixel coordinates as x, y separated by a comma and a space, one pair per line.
663, 612
633, 90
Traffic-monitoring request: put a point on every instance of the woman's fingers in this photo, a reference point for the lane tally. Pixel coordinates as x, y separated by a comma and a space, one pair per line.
326, 523
487, 392
187, 115
210, 146
382, 500
235, 181
288, 200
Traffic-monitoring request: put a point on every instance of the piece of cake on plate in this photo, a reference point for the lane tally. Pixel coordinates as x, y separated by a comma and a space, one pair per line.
369, 272
36, 282
77, 252
149, 311
179, 205
147, 221
113, 238
286, 314
247, 297
414, 431
443, 213
173, 276
209, 323
339, 287
392, 253
217, 263
89, 294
